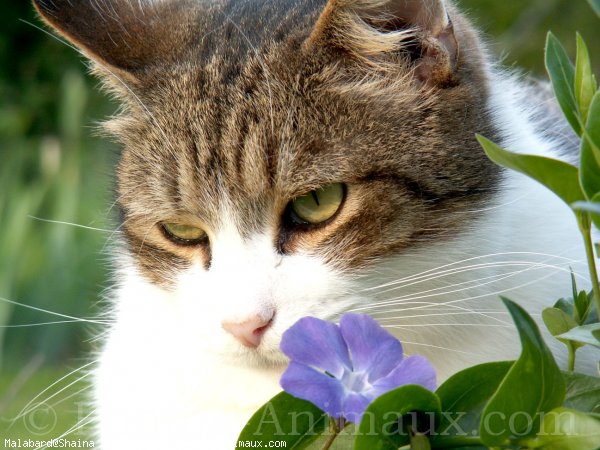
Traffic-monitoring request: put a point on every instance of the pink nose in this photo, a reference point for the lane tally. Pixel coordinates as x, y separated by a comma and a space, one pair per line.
250, 331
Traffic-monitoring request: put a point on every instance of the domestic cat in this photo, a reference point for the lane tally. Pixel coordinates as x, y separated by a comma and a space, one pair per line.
283, 159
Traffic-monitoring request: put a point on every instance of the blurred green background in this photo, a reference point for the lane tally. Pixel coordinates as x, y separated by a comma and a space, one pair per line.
53, 168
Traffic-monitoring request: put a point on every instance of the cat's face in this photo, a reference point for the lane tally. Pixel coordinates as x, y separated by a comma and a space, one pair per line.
271, 163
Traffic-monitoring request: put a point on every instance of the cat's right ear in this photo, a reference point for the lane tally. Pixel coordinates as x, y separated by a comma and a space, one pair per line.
122, 37
370, 29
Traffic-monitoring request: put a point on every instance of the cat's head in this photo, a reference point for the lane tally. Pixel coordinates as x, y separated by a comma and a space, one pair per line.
275, 153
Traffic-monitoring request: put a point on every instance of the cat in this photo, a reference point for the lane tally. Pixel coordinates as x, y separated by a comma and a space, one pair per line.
283, 159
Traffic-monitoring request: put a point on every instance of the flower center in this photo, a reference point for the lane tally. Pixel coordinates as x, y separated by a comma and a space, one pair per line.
355, 381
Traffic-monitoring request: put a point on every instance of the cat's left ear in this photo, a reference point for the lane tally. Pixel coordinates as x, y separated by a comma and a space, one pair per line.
368, 29
123, 37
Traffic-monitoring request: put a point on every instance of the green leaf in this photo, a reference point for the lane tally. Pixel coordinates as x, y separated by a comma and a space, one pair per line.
589, 166
568, 429
585, 83
595, 4
562, 74
583, 392
534, 376
344, 440
565, 305
583, 334
558, 322
384, 423
558, 176
573, 284
286, 418
592, 125
583, 302
464, 396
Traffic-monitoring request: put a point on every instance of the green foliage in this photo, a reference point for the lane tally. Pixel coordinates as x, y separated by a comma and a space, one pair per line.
534, 375
568, 314
562, 75
392, 419
560, 177
578, 186
294, 421
469, 391
567, 429
585, 82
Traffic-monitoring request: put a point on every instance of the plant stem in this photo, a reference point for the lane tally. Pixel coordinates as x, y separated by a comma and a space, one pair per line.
419, 442
586, 230
572, 350
335, 429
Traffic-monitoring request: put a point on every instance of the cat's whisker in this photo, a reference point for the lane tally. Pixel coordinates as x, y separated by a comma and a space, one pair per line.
86, 420
471, 284
35, 308
465, 310
26, 411
474, 258
39, 324
462, 313
72, 224
70, 396
448, 273
433, 346
27, 408
487, 294
492, 208
485, 325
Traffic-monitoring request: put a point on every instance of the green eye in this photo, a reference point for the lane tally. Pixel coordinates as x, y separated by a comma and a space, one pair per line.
319, 205
184, 234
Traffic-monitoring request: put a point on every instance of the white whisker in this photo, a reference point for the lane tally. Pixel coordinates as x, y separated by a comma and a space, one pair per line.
80, 424
35, 308
437, 269
85, 227
436, 346
48, 388
39, 324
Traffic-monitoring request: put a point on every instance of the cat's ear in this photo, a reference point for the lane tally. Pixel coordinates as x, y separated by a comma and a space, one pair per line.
123, 37
421, 29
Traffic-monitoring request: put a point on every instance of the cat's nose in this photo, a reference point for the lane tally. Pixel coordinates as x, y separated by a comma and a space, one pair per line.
250, 331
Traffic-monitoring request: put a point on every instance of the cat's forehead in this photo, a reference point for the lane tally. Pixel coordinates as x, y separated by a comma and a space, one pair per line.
258, 131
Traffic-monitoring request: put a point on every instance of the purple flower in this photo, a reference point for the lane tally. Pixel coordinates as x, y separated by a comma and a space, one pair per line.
343, 369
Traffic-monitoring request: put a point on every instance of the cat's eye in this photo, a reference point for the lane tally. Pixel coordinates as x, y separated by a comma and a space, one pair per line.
183, 234
317, 206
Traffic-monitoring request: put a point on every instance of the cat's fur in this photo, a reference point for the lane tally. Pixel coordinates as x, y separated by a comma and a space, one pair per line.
231, 110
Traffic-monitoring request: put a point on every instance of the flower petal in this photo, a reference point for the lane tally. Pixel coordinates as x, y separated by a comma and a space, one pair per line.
412, 370
372, 349
317, 343
309, 384
354, 406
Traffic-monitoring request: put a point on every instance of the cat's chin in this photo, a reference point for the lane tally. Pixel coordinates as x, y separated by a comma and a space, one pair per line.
267, 358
